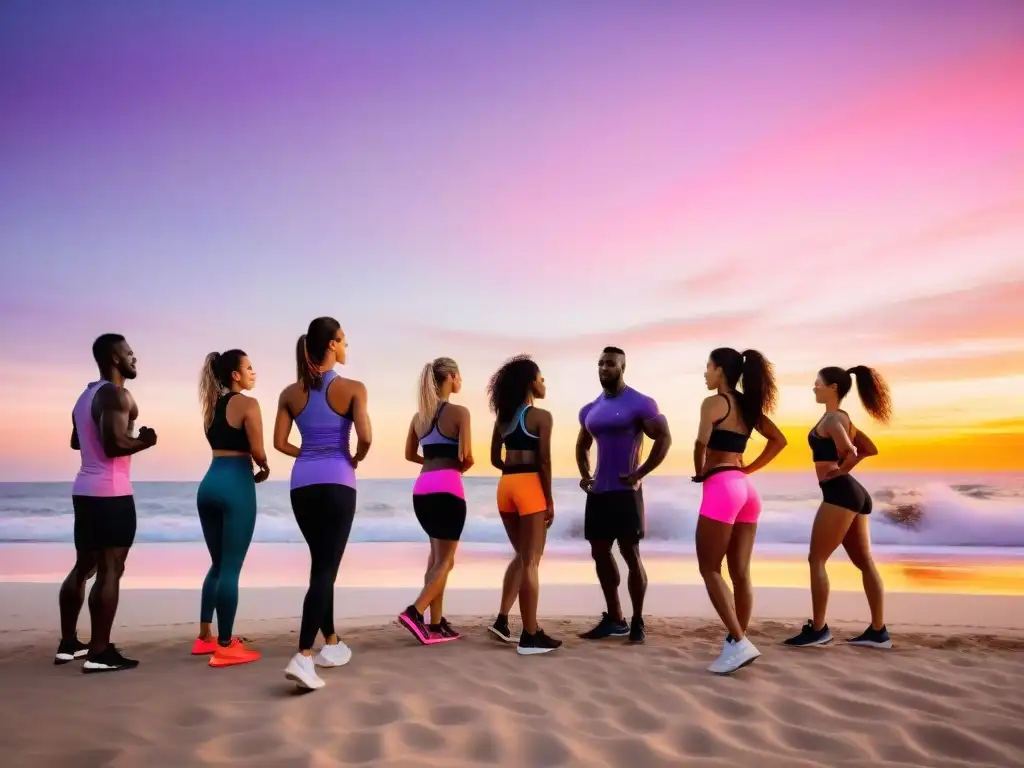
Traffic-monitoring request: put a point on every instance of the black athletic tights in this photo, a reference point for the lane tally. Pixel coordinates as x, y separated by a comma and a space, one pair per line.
324, 513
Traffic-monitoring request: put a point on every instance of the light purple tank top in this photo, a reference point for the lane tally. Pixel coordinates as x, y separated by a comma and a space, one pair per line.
100, 475
325, 456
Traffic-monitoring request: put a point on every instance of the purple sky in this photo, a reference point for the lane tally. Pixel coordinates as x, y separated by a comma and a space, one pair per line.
487, 180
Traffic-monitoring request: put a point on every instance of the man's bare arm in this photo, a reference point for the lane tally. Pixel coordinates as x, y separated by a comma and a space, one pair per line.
115, 407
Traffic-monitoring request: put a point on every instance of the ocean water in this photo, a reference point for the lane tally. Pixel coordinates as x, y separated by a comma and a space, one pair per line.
913, 512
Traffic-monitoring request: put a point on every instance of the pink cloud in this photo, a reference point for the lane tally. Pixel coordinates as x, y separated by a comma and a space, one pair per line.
988, 311
695, 329
924, 130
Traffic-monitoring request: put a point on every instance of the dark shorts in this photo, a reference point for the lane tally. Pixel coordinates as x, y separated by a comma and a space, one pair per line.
442, 515
845, 492
104, 522
614, 516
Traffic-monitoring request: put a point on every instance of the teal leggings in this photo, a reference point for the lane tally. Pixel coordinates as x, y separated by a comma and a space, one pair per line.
227, 512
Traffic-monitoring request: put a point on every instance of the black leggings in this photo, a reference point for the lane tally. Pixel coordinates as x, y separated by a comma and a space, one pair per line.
324, 513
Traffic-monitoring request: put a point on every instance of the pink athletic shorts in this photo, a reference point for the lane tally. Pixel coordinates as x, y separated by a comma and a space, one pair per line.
729, 497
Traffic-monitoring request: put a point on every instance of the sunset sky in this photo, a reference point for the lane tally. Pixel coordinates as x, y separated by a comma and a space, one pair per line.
831, 186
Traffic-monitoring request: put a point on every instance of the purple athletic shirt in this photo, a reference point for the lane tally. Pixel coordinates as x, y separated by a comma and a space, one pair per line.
616, 425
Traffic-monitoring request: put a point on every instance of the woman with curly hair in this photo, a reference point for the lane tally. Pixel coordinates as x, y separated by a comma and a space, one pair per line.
836, 448
524, 492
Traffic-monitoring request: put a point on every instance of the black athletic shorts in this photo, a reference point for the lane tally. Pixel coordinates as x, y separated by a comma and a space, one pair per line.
845, 492
104, 522
442, 515
614, 516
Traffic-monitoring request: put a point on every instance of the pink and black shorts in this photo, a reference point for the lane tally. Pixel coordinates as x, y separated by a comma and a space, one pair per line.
439, 501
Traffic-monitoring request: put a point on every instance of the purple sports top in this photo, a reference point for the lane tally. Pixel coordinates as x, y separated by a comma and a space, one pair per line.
324, 456
615, 424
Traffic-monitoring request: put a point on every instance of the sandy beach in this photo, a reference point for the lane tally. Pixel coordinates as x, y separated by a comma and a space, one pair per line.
937, 699
948, 694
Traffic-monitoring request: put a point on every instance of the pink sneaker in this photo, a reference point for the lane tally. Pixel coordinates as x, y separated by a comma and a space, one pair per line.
412, 620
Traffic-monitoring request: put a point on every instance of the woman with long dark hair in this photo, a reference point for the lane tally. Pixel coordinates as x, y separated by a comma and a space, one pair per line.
441, 431
325, 407
525, 501
836, 448
227, 497
730, 504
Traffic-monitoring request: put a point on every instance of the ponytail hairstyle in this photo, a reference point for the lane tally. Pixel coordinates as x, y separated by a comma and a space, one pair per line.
215, 379
311, 349
432, 377
873, 391
760, 392
511, 385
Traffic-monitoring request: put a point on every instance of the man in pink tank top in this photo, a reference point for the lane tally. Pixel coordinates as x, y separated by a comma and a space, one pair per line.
102, 424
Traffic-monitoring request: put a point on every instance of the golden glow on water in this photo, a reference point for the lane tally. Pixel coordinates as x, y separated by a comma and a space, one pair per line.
175, 566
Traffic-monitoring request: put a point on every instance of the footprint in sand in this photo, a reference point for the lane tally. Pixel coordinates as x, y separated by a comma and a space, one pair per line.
636, 719
421, 738
191, 716
362, 747
485, 747
454, 715
373, 714
546, 750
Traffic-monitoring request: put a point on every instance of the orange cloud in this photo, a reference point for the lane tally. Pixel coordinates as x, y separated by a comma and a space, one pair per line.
940, 368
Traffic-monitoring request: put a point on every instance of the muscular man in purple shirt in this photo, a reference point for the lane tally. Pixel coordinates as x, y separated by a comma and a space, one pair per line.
617, 420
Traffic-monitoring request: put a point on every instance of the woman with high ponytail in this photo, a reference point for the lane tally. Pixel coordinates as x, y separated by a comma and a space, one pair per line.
227, 497
325, 407
745, 393
439, 441
836, 448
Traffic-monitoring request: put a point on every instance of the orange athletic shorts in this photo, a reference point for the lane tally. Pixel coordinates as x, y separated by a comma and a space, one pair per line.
521, 494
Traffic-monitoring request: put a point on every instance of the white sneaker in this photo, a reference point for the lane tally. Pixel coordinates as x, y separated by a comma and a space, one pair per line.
336, 655
301, 671
734, 655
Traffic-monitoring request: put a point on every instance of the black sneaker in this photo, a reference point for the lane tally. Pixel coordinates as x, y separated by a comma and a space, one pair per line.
109, 660
501, 628
607, 627
637, 631
811, 636
444, 629
530, 645
70, 650
872, 638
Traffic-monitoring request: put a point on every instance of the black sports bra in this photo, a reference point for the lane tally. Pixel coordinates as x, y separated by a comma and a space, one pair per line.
727, 440
518, 438
221, 435
824, 448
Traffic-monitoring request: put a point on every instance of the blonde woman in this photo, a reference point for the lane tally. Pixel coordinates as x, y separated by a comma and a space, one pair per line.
227, 497
441, 432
